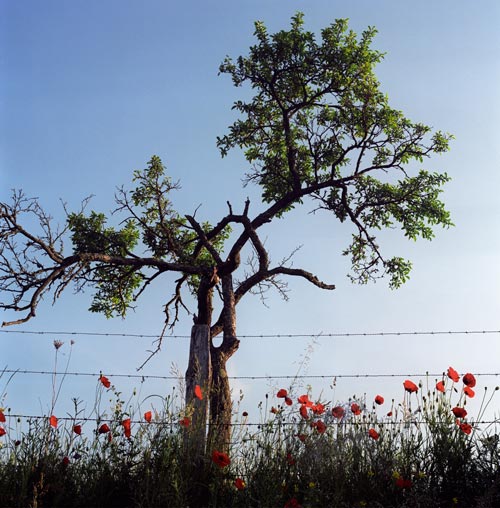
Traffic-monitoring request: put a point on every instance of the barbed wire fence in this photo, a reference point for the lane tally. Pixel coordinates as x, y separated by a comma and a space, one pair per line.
143, 377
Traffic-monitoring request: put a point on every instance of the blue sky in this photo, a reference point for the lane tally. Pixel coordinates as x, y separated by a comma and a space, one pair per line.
92, 89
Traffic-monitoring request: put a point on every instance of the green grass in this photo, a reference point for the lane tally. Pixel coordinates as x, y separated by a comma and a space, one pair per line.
422, 457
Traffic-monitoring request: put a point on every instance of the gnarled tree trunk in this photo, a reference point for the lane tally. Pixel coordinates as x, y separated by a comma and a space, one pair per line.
220, 394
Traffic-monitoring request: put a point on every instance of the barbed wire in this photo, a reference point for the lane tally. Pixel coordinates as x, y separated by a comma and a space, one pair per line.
343, 421
301, 376
264, 335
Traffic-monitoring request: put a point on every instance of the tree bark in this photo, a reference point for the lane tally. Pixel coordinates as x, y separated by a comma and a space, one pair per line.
220, 395
198, 373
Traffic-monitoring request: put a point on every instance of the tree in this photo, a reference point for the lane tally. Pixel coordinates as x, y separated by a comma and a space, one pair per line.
317, 128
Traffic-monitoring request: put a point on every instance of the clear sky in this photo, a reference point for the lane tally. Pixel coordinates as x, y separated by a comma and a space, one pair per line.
89, 90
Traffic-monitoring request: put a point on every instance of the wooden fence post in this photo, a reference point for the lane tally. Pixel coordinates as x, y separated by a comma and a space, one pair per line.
199, 372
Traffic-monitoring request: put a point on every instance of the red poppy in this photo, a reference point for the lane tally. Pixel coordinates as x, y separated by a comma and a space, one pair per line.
65, 461
303, 411
53, 421
104, 428
2, 417
197, 392
469, 380
220, 458
274, 411
244, 414
77, 429
239, 484
440, 387
410, 386
465, 428
338, 412
469, 392
282, 394
389, 413
403, 483
373, 434
147, 416
291, 461
453, 375
318, 409
320, 426
355, 409
292, 503
126, 425
288, 401
302, 437
459, 412
304, 399
379, 400
2, 431
105, 381
185, 422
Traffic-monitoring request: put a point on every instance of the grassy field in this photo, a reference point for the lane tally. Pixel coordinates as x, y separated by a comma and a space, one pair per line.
422, 452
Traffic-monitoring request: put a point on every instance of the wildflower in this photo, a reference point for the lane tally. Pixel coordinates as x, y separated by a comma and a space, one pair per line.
318, 409
2, 432
304, 399
126, 425
453, 375
220, 458
338, 412
440, 387
469, 391
288, 401
147, 416
356, 410
53, 421
239, 484
77, 429
282, 394
65, 461
459, 412
303, 411
292, 503
2, 417
274, 411
105, 381
455, 500
373, 434
302, 437
104, 428
197, 392
466, 428
312, 485
58, 344
319, 425
291, 461
410, 386
379, 400
469, 380
244, 414
185, 422
17, 442
403, 483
